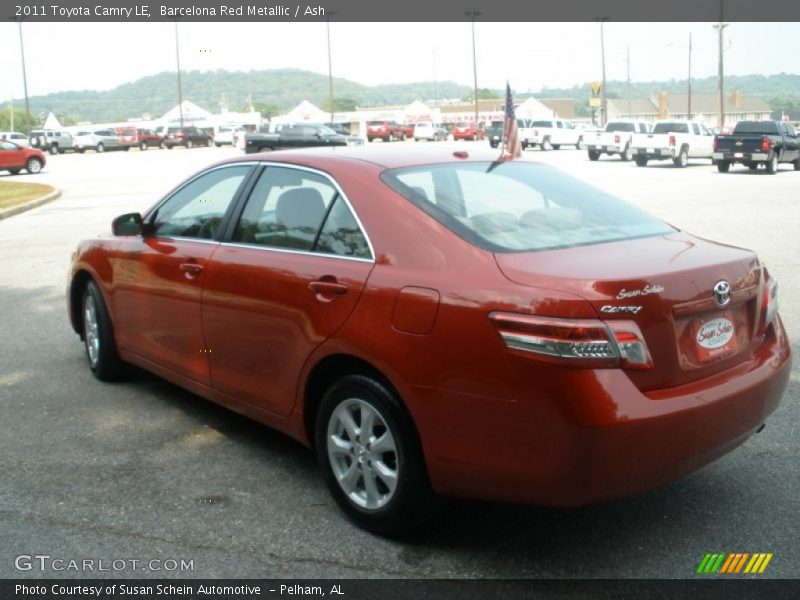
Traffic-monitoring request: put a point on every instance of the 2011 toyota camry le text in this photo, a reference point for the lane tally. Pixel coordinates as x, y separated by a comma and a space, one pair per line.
437, 323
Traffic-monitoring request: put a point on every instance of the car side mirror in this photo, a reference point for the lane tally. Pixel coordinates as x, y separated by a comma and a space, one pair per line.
128, 224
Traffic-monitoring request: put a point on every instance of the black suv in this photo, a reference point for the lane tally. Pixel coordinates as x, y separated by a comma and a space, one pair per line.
186, 136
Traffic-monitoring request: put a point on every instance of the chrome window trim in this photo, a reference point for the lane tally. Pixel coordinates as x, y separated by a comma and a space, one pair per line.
290, 251
340, 193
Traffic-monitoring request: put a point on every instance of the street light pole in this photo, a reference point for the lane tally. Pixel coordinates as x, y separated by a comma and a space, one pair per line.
604, 98
720, 71
473, 14
330, 65
24, 80
178, 61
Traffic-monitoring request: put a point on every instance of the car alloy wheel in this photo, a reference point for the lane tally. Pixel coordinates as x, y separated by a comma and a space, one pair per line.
189, 143
143, 146
91, 331
34, 165
626, 154
371, 457
100, 147
772, 165
546, 144
98, 335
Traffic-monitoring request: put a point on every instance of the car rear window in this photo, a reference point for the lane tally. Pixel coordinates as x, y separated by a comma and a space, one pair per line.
667, 127
755, 127
614, 126
519, 206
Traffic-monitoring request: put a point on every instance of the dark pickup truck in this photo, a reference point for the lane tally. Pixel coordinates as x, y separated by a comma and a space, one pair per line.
293, 136
753, 143
494, 133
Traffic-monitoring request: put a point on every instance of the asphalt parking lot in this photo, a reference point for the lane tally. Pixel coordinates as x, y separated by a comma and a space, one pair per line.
142, 470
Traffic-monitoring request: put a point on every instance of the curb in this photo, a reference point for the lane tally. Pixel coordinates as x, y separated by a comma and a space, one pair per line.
15, 210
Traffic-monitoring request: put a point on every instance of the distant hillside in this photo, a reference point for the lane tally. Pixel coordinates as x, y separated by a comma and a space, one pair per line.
282, 89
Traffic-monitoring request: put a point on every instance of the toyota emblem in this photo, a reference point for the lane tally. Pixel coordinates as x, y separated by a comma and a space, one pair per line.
722, 293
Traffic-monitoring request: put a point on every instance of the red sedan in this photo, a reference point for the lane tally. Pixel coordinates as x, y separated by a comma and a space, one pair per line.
437, 323
14, 158
468, 131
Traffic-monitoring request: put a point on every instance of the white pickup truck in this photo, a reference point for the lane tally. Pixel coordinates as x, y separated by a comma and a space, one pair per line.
675, 140
549, 134
614, 139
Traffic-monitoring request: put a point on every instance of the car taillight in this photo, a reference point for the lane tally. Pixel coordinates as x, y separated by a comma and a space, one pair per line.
535, 132
672, 140
766, 144
714, 143
617, 139
574, 342
769, 299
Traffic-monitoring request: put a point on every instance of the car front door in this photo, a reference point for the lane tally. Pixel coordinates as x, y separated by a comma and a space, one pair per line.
158, 277
285, 279
10, 155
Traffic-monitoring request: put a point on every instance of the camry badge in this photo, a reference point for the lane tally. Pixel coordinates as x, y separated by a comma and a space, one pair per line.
722, 293
608, 309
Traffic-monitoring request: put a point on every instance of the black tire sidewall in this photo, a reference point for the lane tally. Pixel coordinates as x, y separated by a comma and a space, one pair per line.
108, 365
412, 499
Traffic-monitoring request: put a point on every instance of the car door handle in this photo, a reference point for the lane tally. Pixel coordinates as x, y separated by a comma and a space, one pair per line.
191, 268
328, 288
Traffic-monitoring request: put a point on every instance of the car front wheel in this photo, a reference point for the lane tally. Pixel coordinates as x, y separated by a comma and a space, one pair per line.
100, 147
371, 458
142, 146
189, 143
34, 165
98, 335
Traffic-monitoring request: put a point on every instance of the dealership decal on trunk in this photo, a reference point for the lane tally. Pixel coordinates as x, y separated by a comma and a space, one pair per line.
643, 291
715, 334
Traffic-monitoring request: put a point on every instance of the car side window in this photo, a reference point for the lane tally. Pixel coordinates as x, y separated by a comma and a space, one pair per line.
197, 209
341, 234
696, 128
285, 209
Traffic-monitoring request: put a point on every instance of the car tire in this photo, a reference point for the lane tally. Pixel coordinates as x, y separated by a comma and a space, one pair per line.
53, 149
546, 145
81, 150
142, 146
161, 144
593, 155
579, 145
772, 165
723, 166
626, 154
682, 159
495, 144
796, 165
385, 491
14, 171
126, 148
641, 161
33, 165
218, 145
556, 146
390, 138
100, 147
752, 166
189, 144
98, 335
208, 143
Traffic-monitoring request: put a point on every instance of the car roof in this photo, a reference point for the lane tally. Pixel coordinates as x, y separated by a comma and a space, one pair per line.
392, 156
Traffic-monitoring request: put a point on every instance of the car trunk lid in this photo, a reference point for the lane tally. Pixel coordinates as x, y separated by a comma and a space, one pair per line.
666, 285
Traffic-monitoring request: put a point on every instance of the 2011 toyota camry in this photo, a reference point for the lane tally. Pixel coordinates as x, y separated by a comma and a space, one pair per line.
438, 323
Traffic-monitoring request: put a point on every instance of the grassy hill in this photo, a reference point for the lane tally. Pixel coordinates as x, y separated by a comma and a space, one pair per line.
281, 89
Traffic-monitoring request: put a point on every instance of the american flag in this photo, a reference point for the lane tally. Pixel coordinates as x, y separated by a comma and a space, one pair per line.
511, 144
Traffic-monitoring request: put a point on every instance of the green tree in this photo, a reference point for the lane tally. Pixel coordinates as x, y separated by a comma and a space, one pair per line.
20, 122
339, 104
483, 94
267, 109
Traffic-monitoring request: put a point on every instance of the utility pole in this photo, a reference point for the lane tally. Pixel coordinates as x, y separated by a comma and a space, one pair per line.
689, 82
330, 63
473, 14
11, 113
629, 82
178, 61
604, 98
24, 81
720, 75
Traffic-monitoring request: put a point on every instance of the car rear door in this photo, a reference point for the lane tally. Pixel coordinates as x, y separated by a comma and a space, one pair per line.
158, 278
287, 276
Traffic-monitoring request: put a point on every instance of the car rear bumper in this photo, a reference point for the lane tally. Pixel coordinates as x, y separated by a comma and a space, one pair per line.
584, 436
656, 153
741, 156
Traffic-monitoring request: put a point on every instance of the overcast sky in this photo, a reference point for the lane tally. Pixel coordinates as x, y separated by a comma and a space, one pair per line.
100, 56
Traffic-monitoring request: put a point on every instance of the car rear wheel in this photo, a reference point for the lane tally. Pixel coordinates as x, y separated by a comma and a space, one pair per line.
796, 165
100, 147
371, 458
752, 166
34, 165
98, 335
390, 138
142, 146
723, 166
53, 149
579, 145
556, 146
593, 155
772, 165
626, 153
189, 143
546, 145
641, 161
682, 159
